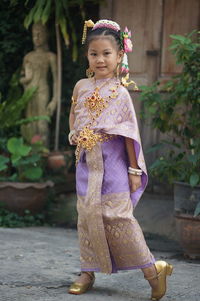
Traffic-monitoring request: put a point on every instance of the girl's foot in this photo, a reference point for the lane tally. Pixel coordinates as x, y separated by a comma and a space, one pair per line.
150, 274
156, 275
84, 282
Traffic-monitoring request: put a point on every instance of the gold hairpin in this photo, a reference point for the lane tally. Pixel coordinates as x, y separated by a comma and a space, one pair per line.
87, 24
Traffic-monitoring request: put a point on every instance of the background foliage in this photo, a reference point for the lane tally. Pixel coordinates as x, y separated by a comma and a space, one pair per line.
177, 115
16, 41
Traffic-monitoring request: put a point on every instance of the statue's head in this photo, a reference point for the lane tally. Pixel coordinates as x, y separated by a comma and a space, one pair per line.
40, 35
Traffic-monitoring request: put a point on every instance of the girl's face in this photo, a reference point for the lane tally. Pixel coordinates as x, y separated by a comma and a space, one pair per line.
103, 57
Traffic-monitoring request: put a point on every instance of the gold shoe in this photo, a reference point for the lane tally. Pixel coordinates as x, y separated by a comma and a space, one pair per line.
80, 288
163, 270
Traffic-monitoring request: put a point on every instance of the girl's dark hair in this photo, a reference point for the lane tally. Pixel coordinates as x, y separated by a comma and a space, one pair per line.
101, 32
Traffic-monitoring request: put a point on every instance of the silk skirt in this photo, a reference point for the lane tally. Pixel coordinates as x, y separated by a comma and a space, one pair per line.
110, 238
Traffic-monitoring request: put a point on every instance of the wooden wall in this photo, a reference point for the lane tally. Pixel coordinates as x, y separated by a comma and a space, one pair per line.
151, 23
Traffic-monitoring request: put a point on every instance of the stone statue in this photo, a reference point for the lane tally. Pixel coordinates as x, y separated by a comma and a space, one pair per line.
35, 70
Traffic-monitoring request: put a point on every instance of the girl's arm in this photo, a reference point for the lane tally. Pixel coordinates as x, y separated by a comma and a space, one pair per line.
72, 135
134, 181
131, 152
71, 118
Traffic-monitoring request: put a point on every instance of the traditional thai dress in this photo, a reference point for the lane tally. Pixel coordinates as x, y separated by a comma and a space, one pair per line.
110, 237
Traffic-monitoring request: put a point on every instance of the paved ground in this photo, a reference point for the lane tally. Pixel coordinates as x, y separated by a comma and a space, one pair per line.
39, 264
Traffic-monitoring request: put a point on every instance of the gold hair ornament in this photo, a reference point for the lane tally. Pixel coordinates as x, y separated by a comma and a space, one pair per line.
87, 24
125, 82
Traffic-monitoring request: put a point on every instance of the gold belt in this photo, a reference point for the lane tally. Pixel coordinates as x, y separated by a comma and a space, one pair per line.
88, 139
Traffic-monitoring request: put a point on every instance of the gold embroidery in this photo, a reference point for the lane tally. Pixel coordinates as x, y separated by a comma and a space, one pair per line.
124, 236
91, 208
95, 104
88, 139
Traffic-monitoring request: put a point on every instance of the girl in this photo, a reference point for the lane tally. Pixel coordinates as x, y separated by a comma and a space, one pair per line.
111, 174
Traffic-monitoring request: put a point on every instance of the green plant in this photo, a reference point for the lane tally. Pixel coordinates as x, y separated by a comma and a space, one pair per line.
13, 220
23, 162
176, 113
197, 210
11, 109
14, 42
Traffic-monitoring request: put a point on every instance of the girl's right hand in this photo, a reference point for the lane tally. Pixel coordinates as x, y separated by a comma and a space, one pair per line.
73, 140
134, 182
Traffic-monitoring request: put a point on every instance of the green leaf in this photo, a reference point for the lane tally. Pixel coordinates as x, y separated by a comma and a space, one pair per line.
15, 159
3, 161
33, 173
197, 210
28, 160
63, 27
34, 118
58, 10
194, 179
11, 110
39, 10
13, 178
29, 18
175, 144
180, 38
16, 147
154, 148
152, 109
46, 12
193, 158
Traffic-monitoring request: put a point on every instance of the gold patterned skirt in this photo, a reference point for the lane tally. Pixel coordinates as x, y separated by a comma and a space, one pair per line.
110, 237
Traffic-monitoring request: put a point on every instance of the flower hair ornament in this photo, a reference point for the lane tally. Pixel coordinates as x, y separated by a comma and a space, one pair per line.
127, 47
126, 44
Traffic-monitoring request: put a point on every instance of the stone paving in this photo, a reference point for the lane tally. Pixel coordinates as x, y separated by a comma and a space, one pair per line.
39, 264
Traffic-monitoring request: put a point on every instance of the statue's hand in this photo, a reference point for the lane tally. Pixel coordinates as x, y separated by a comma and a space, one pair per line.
51, 108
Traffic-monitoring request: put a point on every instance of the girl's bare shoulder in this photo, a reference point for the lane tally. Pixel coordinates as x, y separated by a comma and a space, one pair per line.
79, 85
82, 82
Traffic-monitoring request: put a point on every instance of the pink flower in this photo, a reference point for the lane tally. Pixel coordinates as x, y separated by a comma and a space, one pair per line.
127, 40
36, 138
128, 46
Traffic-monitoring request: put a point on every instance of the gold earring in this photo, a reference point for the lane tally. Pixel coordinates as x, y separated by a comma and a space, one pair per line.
89, 72
117, 71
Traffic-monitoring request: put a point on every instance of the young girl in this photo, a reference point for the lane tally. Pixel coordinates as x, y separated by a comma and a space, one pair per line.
111, 174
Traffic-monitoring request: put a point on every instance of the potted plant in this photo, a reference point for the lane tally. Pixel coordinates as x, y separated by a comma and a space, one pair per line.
176, 113
22, 183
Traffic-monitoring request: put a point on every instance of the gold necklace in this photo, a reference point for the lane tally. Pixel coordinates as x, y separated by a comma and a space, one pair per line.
95, 104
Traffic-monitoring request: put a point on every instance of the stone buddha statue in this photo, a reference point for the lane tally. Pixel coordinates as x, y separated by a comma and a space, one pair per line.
36, 67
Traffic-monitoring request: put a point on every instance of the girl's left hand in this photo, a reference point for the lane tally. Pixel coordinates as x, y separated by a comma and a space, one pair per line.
134, 182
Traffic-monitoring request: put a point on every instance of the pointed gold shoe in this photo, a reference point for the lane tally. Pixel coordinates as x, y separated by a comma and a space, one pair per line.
80, 288
163, 270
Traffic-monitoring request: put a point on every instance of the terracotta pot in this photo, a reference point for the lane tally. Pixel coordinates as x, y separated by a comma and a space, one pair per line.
188, 232
57, 160
18, 197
